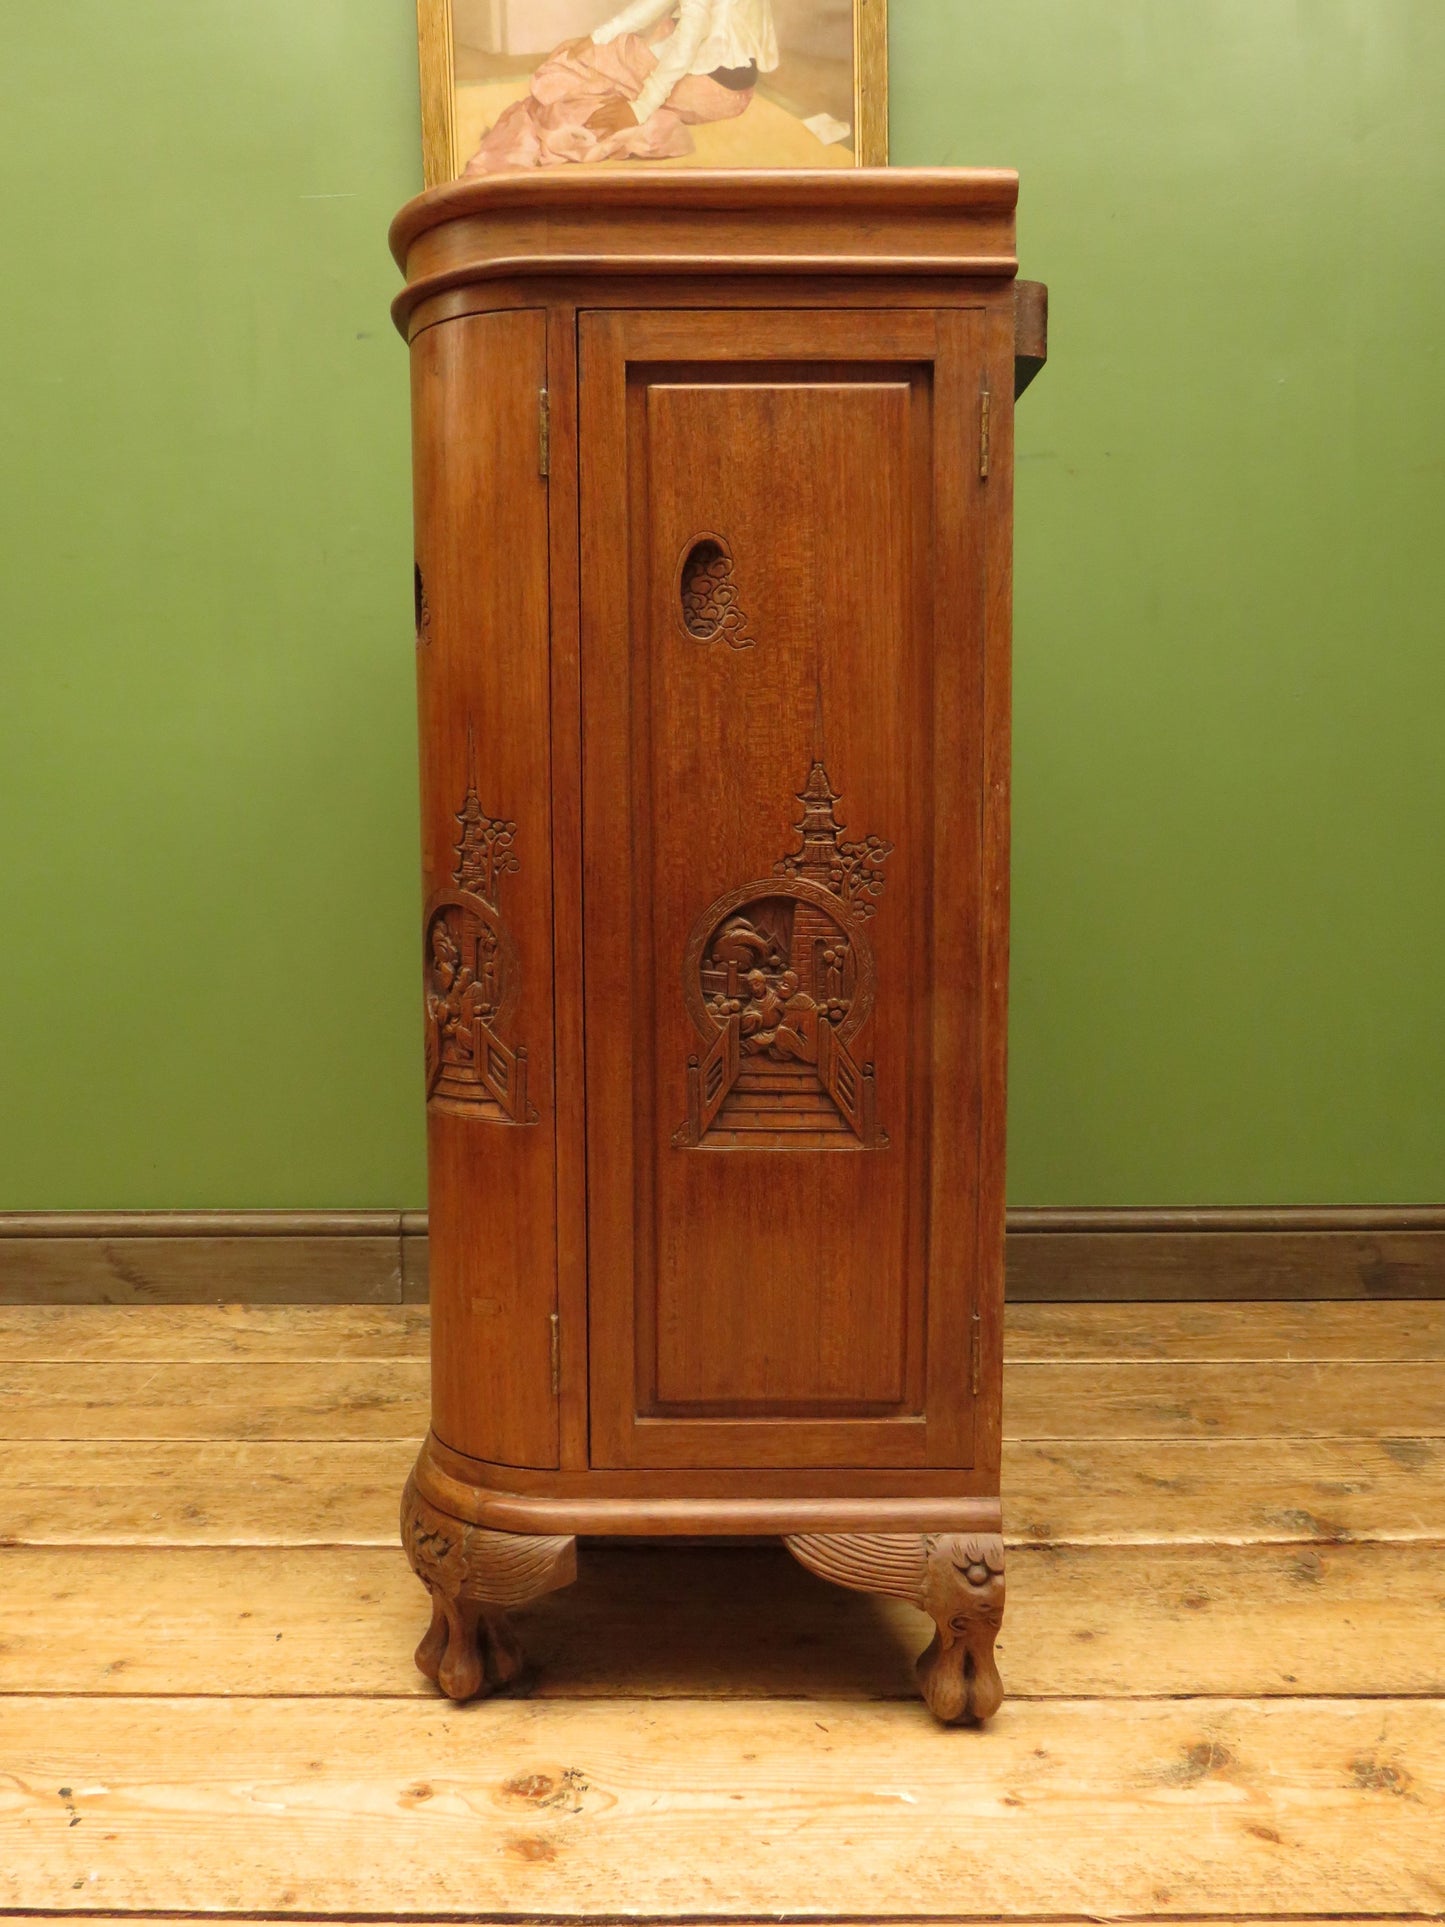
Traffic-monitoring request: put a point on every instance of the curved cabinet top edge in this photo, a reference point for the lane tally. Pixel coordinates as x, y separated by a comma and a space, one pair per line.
687, 222
684, 191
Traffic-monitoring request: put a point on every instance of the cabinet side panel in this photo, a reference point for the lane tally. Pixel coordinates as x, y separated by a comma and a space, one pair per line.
993, 1054
483, 674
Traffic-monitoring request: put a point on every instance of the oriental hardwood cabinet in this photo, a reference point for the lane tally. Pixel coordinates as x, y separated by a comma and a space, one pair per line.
713, 520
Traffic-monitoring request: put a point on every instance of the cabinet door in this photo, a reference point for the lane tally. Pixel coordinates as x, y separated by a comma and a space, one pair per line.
482, 651
782, 603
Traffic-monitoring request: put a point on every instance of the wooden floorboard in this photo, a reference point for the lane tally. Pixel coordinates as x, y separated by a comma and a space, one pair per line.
198, 1334
1402, 1330
582, 1808
352, 1398
735, 1622
1225, 1650
1406, 1330
1207, 1398
1093, 1492
242, 1399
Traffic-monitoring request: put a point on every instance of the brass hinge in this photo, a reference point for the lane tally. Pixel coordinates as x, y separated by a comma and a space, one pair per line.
977, 1353
556, 1356
544, 433
985, 401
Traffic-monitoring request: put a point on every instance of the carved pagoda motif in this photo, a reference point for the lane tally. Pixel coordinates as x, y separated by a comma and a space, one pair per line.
779, 978
473, 975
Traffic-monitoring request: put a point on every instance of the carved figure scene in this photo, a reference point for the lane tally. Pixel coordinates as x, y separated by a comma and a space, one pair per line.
780, 978
472, 977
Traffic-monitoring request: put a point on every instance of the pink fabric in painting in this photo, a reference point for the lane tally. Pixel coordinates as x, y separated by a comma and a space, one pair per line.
550, 126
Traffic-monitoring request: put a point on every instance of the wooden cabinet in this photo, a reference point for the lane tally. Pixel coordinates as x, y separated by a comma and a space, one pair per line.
713, 511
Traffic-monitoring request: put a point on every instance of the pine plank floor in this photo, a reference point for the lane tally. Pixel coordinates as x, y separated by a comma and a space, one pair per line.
1224, 1647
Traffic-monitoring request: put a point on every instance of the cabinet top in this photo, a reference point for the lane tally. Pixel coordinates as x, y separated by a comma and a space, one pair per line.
679, 220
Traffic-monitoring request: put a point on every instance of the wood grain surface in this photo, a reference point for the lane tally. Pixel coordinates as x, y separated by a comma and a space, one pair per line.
1089, 1492
1293, 1253
197, 1334
363, 1398
483, 684
97, 1268
723, 1330
1407, 1331
339, 1399
578, 1808
730, 1622
1225, 1657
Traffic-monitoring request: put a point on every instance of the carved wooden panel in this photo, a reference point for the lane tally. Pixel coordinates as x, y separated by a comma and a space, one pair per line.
779, 979
473, 977
708, 594
783, 860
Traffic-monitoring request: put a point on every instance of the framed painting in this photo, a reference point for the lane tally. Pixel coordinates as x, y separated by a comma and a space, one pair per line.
512, 85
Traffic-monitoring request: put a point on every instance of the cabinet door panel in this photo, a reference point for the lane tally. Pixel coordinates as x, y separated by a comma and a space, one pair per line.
483, 633
781, 618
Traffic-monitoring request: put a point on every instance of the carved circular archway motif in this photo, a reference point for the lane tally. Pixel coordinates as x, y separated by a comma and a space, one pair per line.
454, 907
756, 895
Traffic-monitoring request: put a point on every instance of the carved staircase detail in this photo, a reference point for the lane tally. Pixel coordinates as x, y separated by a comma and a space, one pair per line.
779, 977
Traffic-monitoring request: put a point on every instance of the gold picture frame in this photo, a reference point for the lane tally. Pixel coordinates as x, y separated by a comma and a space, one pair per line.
449, 106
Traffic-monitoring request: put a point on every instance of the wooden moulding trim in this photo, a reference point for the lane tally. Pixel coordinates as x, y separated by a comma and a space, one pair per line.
208, 1224
777, 293
1031, 332
1262, 1253
997, 267
378, 1257
993, 190
855, 1484
1282, 1218
208, 1257
663, 1517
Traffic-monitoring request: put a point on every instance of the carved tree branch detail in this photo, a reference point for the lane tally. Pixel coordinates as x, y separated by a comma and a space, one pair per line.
486, 852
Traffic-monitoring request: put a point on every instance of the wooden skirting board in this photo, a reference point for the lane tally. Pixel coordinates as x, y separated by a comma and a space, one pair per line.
1284, 1251
380, 1257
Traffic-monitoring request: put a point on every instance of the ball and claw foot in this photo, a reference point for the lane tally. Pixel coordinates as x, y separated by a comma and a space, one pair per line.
474, 1576
956, 1578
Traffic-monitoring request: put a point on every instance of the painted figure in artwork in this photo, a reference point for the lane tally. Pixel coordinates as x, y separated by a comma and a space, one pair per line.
632, 88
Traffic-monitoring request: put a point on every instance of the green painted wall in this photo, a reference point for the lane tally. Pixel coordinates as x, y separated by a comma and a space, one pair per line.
1229, 877
1230, 778
207, 760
